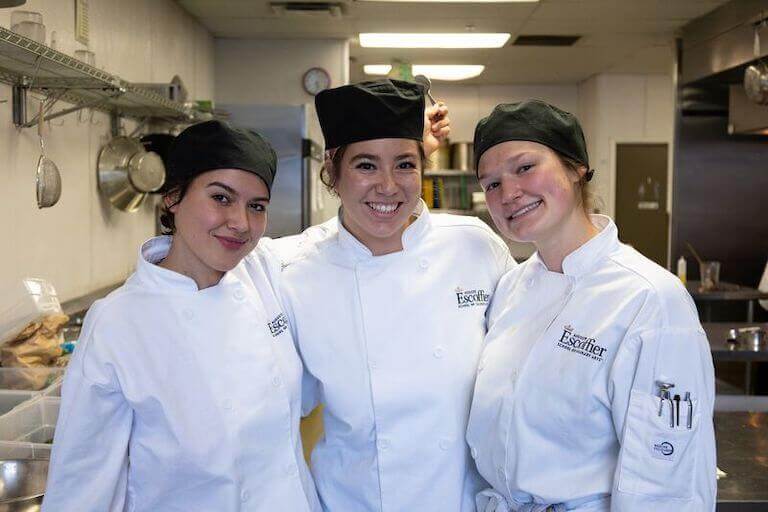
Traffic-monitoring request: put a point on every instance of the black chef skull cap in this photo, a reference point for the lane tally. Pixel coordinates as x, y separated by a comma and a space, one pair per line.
535, 121
215, 145
380, 109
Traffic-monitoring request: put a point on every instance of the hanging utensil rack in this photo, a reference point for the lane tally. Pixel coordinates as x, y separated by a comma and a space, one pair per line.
30, 66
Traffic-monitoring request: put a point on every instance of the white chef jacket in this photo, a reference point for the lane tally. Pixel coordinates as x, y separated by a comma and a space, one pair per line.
565, 410
391, 345
179, 399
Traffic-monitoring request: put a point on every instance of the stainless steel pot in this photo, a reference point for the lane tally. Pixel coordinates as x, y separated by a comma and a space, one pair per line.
22, 484
462, 156
750, 338
441, 158
127, 173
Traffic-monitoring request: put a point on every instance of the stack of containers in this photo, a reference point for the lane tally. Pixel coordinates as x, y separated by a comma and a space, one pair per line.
28, 417
29, 396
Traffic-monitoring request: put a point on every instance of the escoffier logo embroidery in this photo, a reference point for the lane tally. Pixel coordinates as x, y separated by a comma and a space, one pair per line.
279, 325
467, 298
581, 345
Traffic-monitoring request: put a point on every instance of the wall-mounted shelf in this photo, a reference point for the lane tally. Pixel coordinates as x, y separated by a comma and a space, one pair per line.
30, 66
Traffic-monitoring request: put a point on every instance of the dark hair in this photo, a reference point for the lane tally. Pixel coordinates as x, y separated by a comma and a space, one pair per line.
175, 188
329, 174
586, 197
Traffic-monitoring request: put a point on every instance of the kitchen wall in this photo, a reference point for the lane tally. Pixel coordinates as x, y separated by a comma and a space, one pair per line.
82, 243
269, 72
469, 103
611, 107
624, 108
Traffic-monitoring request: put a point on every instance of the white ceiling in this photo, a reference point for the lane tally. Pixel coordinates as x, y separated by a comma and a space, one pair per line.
618, 36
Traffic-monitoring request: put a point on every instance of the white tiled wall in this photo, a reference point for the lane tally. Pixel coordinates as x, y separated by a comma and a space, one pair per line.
82, 243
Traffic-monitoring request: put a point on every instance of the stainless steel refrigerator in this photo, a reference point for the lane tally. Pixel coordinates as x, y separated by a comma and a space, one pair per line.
298, 197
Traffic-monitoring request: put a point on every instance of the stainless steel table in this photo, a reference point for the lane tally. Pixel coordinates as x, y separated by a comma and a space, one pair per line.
726, 291
717, 334
742, 453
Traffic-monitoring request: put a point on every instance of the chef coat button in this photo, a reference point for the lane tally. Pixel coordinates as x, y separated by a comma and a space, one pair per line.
438, 352
530, 283
444, 444
276, 381
290, 469
473, 452
423, 263
481, 366
244, 496
501, 473
372, 365
239, 294
188, 314
383, 444
227, 404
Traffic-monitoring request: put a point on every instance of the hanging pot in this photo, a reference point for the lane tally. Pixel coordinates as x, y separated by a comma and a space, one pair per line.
127, 173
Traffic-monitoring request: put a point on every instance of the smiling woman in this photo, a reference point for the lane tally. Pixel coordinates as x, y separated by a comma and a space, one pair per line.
585, 340
184, 390
387, 303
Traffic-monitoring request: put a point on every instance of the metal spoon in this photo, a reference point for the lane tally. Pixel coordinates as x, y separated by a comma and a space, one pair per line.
427, 83
48, 178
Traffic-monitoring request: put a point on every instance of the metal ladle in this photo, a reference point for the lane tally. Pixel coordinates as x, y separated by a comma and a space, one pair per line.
48, 178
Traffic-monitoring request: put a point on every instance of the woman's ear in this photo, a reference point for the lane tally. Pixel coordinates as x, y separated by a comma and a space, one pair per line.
581, 171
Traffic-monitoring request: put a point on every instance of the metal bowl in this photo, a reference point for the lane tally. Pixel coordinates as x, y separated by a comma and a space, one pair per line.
22, 484
127, 173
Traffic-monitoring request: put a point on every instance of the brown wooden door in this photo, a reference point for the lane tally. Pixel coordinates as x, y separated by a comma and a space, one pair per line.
641, 198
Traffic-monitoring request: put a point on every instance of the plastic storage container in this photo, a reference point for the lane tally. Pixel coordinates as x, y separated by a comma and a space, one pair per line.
29, 379
23, 302
13, 397
28, 24
32, 422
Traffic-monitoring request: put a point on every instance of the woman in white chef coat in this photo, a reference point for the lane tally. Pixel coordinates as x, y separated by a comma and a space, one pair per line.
184, 391
387, 303
583, 338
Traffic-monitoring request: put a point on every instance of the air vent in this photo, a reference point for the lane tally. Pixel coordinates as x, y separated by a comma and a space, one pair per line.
546, 40
334, 9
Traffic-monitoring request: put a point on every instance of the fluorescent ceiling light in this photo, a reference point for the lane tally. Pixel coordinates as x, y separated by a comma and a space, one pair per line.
433, 71
459, 1
448, 71
376, 69
441, 40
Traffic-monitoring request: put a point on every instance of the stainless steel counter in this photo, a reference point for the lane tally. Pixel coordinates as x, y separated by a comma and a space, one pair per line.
742, 453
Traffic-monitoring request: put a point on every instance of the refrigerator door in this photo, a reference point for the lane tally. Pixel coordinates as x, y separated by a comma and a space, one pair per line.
284, 127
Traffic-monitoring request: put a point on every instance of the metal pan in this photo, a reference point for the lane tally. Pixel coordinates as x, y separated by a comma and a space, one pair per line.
127, 173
